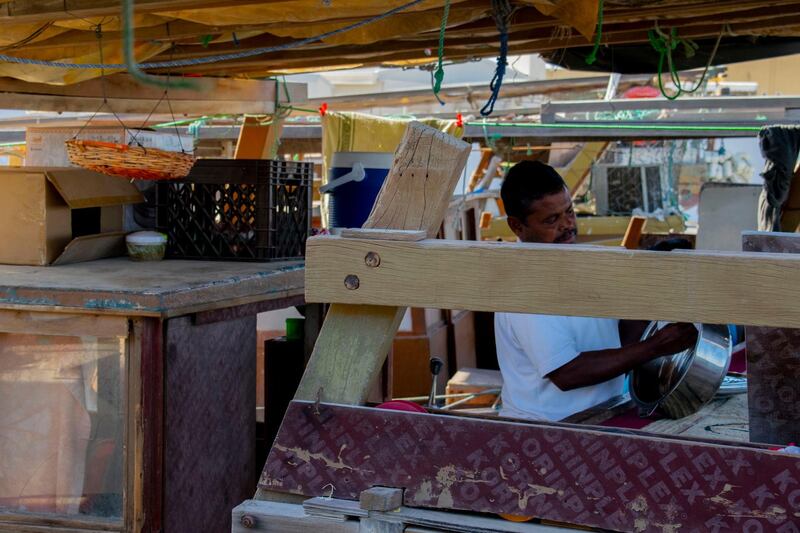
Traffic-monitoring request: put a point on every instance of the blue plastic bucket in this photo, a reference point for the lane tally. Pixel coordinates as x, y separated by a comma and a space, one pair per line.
352, 201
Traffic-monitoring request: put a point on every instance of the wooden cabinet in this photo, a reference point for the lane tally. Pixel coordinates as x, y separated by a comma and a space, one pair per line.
128, 392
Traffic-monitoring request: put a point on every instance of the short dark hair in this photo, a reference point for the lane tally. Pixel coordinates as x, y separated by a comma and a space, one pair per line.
526, 182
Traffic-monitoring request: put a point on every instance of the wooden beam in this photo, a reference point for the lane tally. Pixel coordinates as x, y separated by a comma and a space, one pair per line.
580, 167
14, 11
550, 109
258, 141
126, 95
634, 233
576, 280
355, 339
63, 324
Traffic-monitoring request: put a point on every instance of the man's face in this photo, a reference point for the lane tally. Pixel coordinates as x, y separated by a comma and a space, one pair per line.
550, 219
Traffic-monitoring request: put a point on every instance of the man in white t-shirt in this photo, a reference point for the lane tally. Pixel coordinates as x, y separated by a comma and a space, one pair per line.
556, 366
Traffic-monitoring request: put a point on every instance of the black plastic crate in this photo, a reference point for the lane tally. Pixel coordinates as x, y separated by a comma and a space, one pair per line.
237, 210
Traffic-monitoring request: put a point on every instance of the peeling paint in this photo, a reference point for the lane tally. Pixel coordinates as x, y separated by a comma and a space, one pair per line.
531, 492
669, 528
12, 298
639, 525
306, 457
638, 505
720, 499
110, 304
424, 493
773, 512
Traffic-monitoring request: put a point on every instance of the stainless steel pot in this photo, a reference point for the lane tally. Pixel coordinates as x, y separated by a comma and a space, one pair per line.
679, 385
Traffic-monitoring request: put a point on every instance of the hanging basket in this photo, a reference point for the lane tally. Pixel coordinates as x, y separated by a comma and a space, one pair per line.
126, 161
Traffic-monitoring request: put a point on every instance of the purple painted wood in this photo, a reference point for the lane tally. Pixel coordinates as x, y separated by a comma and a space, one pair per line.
209, 429
152, 375
583, 476
773, 362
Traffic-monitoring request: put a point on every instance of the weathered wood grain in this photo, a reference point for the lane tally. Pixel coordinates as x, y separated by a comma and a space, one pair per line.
354, 340
710, 287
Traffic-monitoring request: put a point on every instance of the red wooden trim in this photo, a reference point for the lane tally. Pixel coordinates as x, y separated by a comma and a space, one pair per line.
581, 475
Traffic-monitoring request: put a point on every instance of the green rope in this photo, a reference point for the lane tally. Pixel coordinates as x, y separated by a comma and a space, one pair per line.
665, 44
592, 57
130, 60
438, 75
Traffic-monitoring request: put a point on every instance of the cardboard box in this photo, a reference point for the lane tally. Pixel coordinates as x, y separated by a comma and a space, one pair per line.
472, 381
45, 146
61, 215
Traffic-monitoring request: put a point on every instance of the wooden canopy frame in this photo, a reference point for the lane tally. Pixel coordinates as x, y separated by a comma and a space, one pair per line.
587, 476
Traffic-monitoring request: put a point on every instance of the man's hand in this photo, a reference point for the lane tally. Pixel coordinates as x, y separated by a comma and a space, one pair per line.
674, 338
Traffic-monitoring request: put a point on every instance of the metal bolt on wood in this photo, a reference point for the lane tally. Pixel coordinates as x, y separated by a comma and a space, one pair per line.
372, 259
248, 521
352, 282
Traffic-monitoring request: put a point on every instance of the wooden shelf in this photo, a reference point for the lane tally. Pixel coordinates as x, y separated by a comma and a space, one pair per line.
163, 289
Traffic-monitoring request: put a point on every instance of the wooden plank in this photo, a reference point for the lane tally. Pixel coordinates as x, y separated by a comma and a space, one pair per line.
126, 95
374, 525
158, 288
773, 361
442, 521
354, 341
381, 499
30, 522
790, 212
276, 517
134, 430
709, 287
581, 165
634, 233
14, 11
595, 477
480, 170
383, 234
256, 140
550, 109
209, 431
592, 228
151, 366
466, 92
62, 324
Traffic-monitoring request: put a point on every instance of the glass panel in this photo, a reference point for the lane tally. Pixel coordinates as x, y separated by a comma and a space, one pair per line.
62, 424
654, 194
624, 190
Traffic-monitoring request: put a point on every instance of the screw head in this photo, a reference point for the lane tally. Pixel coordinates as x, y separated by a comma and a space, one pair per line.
372, 259
352, 282
248, 521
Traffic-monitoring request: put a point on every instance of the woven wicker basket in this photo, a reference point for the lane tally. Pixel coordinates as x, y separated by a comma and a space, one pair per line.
129, 161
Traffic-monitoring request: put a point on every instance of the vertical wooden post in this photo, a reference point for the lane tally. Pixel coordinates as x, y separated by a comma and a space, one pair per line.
256, 141
355, 339
634, 233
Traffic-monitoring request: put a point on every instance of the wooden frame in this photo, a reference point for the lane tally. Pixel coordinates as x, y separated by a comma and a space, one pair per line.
677, 286
65, 324
586, 476
126, 95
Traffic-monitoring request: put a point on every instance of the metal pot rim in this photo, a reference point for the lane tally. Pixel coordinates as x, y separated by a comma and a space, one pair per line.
652, 406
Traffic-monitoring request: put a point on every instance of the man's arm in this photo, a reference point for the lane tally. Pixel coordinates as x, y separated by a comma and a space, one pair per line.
631, 331
591, 368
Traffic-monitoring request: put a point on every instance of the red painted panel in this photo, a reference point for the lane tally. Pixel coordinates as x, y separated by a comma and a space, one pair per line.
610, 479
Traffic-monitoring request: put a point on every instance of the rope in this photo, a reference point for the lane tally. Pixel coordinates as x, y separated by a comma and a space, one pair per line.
438, 76
501, 13
179, 63
592, 57
664, 44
